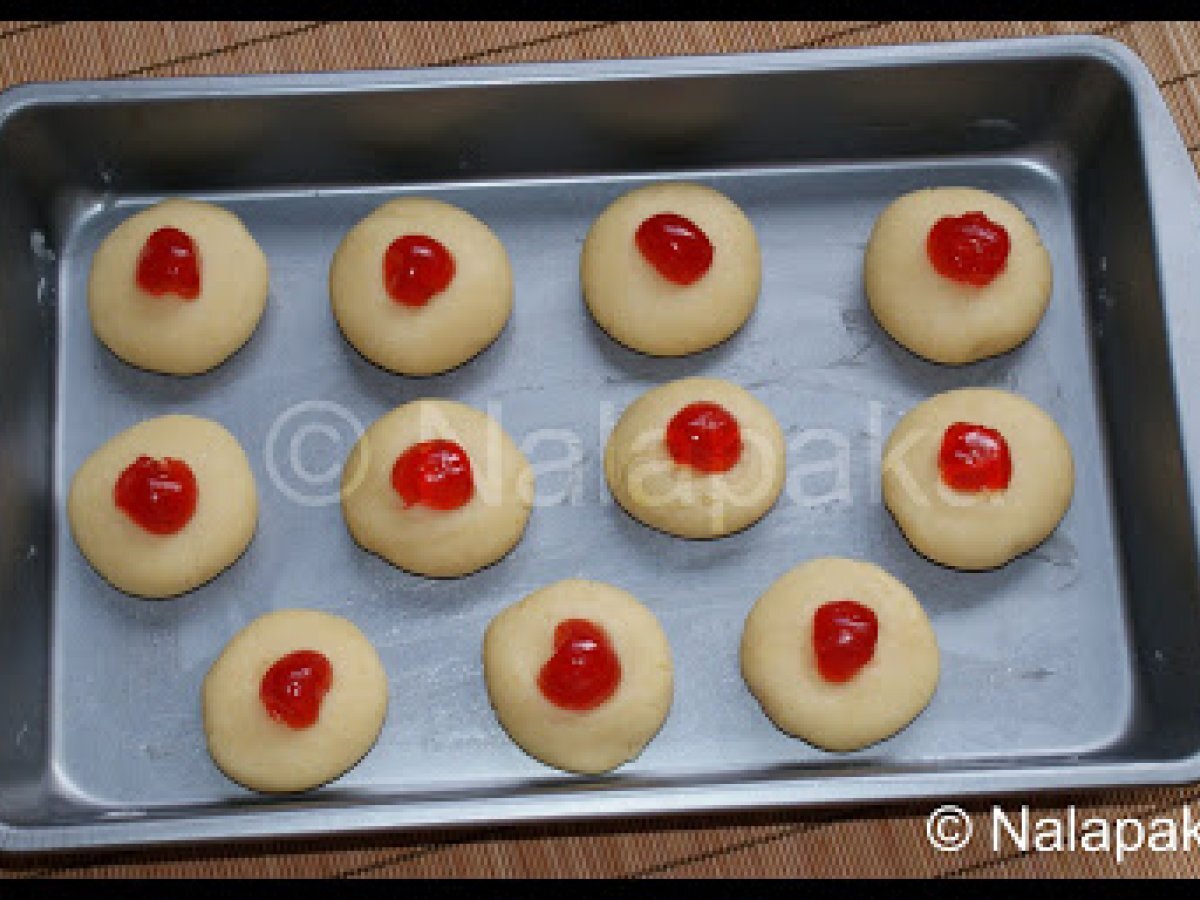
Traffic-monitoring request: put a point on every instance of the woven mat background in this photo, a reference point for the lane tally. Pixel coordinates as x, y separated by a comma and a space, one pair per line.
782, 844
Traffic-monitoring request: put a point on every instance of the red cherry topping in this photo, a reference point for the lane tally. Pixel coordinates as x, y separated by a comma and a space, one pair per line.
676, 247
415, 268
158, 494
293, 688
434, 473
974, 458
584, 670
705, 436
970, 248
844, 636
169, 264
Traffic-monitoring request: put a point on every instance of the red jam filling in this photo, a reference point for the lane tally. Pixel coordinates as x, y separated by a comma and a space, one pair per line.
844, 636
705, 436
158, 494
293, 688
584, 670
970, 248
676, 247
416, 267
169, 264
434, 473
974, 458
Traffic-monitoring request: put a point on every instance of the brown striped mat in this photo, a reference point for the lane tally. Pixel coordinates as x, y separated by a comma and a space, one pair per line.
788, 843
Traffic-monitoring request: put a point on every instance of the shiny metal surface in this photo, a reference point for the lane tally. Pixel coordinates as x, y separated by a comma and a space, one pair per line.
1075, 666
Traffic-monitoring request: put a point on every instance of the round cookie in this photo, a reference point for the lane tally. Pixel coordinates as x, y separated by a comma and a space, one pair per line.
645, 311
167, 333
678, 498
146, 564
520, 640
442, 543
263, 753
940, 318
455, 323
985, 529
779, 662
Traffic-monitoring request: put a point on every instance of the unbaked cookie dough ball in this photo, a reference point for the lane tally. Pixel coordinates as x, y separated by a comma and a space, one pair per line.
295, 699
420, 286
579, 674
164, 506
975, 477
697, 458
178, 287
956, 274
671, 269
840, 654
437, 488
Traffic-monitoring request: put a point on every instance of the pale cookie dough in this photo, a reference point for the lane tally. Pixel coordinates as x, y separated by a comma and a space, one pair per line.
643, 310
987, 529
438, 543
780, 668
519, 641
677, 498
158, 566
166, 333
455, 324
264, 755
936, 317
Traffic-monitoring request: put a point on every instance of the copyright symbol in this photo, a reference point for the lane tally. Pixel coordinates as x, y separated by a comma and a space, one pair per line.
315, 425
948, 828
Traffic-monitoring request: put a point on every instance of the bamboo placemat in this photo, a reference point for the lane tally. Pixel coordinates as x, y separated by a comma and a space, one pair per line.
879, 843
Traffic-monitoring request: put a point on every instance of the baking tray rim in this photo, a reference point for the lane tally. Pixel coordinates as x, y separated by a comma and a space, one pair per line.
1167, 168
1101, 49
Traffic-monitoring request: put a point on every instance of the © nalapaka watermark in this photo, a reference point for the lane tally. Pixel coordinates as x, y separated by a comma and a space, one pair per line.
951, 829
309, 442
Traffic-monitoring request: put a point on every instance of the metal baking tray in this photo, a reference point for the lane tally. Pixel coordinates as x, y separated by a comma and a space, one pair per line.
1075, 666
